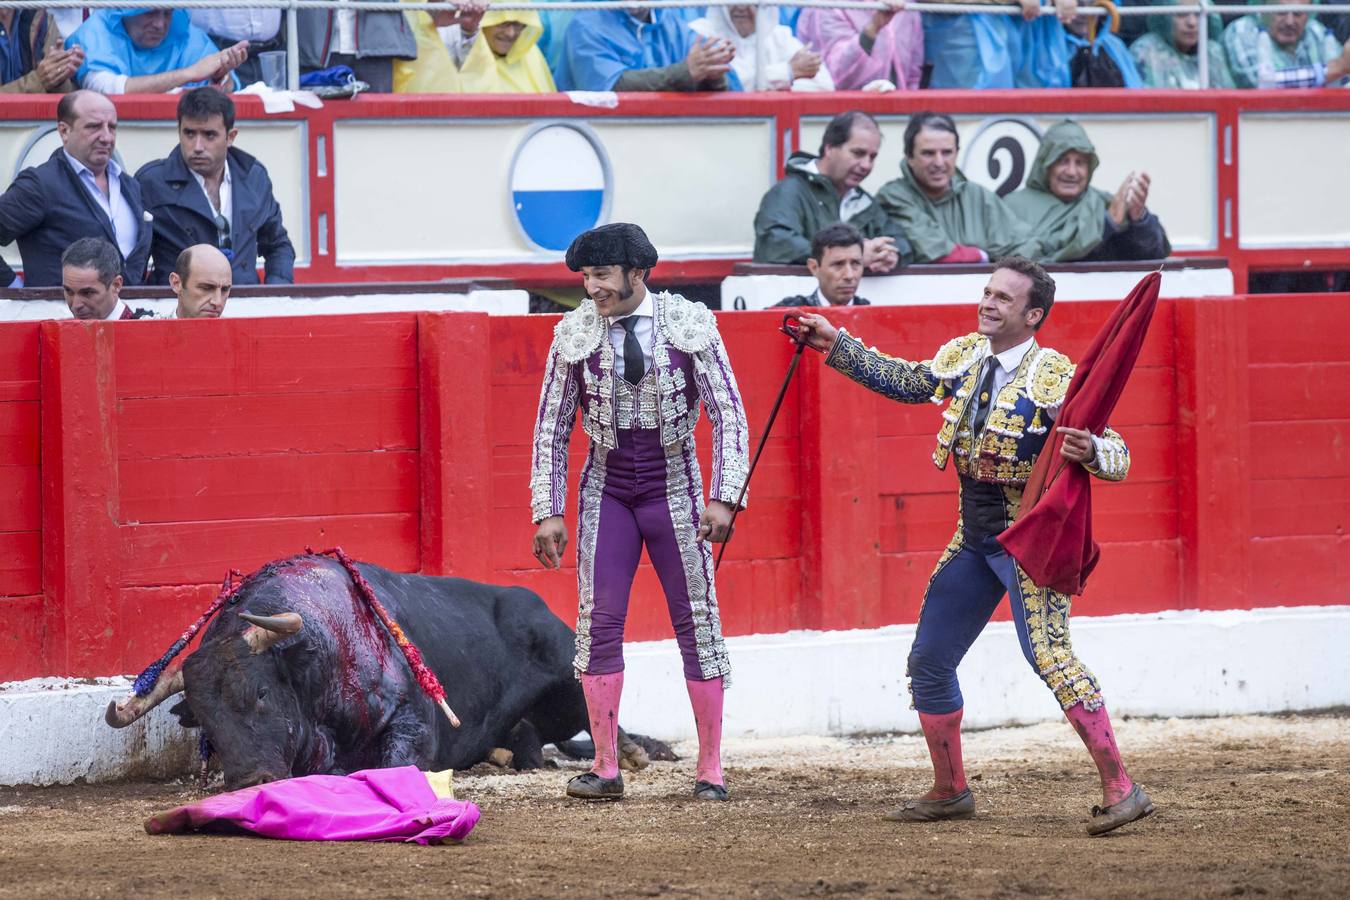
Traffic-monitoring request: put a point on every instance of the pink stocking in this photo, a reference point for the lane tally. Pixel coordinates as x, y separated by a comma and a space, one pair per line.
1095, 730
943, 734
706, 698
602, 704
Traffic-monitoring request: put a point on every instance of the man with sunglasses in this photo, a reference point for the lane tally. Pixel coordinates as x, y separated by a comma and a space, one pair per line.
207, 191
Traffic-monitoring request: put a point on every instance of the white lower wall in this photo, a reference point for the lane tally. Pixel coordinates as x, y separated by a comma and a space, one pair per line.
837, 682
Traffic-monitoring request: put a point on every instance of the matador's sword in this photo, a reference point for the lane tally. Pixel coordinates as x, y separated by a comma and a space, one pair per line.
800, 340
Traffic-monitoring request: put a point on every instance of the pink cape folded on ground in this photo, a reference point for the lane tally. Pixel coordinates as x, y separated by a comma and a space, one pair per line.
1052, 537
371, 805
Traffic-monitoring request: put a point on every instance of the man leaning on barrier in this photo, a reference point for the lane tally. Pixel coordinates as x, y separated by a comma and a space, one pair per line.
818, 191
836, 262
91, 279
207, 191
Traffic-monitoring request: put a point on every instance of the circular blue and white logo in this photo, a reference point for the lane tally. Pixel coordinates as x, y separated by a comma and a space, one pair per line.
560, 184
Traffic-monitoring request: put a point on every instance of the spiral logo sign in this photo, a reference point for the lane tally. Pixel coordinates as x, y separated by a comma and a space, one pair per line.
999, 156
560, 184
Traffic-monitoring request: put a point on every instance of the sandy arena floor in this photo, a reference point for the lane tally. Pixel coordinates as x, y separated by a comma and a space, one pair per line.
1246, 806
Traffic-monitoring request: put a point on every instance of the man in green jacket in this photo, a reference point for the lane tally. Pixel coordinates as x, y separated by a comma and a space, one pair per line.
820, 191
946, 217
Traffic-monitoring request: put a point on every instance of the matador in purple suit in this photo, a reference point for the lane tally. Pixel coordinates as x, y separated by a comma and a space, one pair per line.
638, 364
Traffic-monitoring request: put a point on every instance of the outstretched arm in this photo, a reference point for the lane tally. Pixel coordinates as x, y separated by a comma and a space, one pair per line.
889, 376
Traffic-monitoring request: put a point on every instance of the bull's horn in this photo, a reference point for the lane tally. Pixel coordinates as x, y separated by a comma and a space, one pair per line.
267, 630
122, 713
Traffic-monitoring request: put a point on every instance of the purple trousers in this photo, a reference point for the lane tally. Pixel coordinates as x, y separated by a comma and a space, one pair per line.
644, 494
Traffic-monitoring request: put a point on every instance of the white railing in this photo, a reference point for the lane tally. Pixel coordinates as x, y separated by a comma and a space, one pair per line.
291, 7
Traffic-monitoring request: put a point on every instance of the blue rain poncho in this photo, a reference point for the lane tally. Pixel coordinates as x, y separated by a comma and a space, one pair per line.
602, 44
108, 47
995, 51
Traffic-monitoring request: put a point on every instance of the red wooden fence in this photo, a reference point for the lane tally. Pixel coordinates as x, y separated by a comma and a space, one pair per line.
140, 461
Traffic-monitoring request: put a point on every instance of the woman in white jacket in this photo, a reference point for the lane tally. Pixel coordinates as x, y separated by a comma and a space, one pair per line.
788, 64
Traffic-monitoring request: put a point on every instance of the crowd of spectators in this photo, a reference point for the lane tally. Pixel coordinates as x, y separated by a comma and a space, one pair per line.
470, 49
932, 214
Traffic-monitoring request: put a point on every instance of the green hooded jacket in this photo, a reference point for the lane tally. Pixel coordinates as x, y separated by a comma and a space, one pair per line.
1080, 229
968, 214
803, 203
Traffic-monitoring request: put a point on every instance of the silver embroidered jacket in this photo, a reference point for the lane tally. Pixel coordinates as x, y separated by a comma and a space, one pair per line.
689, 366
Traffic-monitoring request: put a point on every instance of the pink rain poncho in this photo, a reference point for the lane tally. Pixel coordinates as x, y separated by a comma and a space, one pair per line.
371, 805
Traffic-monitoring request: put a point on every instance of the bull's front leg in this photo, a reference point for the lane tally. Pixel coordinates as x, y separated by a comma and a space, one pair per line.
407, 741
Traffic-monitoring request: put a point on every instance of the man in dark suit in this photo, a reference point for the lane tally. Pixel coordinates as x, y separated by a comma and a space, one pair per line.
207, 191
80, 192
836, 261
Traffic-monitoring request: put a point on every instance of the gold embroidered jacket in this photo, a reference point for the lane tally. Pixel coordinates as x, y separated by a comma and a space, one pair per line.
1018, 422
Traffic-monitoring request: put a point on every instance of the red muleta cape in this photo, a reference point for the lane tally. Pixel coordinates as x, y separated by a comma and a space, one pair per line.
1052, 537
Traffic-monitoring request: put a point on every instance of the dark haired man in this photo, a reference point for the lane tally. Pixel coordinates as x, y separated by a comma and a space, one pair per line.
81, 191
836, 261
637, 364
1005, 392
207, 191
947, 218
822, 190
91, 277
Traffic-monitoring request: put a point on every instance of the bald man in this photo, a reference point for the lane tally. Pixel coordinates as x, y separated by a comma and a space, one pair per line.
80, 192
201, 280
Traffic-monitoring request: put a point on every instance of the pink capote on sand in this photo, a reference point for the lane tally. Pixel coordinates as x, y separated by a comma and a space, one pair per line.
370, 805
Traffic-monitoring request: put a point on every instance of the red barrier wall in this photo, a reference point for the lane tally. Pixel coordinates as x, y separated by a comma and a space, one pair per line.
140, 462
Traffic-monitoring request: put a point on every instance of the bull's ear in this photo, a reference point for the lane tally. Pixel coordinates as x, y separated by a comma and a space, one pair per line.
184, 714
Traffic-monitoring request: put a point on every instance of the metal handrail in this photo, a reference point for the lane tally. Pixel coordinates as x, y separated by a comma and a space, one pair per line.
291, 7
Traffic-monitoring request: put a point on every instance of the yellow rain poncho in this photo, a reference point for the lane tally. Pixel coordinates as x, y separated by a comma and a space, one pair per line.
522, 71
433, 72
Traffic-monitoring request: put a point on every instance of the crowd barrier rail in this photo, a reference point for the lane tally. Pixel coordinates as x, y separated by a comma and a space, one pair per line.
141, 461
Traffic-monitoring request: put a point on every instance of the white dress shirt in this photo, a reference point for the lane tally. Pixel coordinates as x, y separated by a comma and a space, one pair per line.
118, 308
238, 24
645, 331
852, 203
226, 194
114, 207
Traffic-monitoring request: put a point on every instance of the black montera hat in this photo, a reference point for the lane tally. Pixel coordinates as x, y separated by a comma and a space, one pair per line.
616, 244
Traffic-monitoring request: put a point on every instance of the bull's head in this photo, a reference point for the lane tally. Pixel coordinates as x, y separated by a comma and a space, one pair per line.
238, 688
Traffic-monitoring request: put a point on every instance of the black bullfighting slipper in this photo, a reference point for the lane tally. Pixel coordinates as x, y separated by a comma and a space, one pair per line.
1134, 807
962, 806
590, 786
706, 790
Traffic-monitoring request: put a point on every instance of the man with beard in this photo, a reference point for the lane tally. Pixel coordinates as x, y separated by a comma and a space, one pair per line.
947, 218
1005, 393
818, 191
208, 191
81, 191
637, 364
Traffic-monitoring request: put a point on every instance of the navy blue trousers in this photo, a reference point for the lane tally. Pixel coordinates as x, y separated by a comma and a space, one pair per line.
967, 586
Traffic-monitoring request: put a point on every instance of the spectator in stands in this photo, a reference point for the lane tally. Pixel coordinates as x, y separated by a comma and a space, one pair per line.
1098, 58
367, 42
1077, 222
1284, 49
553, 43
836, 261
504, 58
642, 50
151, 51
260, 29
91, 276
208, 190
947, 218
824, 190
80, 191
865, 49
32, 60
788, 65
201, 280
999, 51
1167, 55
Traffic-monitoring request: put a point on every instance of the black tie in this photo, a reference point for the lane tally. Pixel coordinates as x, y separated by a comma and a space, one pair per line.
984, 397
632, 351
